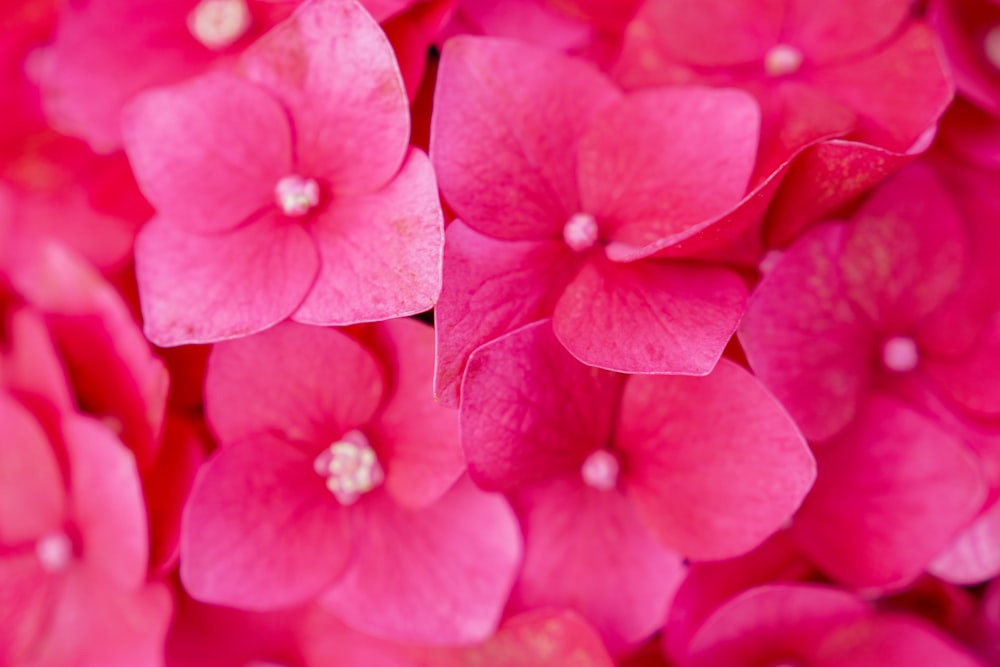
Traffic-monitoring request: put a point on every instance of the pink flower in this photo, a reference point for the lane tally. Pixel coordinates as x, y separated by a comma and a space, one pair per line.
286, 192
562, 184
336, 480
617, 478
970, 33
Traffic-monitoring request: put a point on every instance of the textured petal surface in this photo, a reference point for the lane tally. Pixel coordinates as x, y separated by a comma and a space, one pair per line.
662, 161
892, 492
649, 316
973, 557
260, 530
713, 464
511, 114
380, 254
586, 550
311, 384
333, 68
440, 575
530, 411
803, 338
491, 288
208, 152
200, 289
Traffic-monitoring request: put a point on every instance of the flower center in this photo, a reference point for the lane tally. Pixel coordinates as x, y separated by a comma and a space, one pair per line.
350, 467
580, 232
782, 59
54, 552
216, 24
991, 46
900, 354
296, 195
600, 470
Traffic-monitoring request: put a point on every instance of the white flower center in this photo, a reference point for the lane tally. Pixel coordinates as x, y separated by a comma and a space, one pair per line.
54, 552
782, 59
350, 466
600, 470
296, 195
217, 24
991, 46
900, 354
580, 232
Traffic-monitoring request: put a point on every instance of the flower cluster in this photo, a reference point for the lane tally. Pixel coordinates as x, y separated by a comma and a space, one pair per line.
440, 333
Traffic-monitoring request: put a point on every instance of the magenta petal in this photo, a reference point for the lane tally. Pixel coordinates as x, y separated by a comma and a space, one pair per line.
26, 595
200, 289
973, 381
511, 114
33, 499
260, 530
311, 384
827, 31
586, 550
416, 436
530, 411
892, 491
659, 162
891, 640
714, 463
208, 152
904, 255
440, 575
803, 338
649, 316
332, 66
973, 557
380, 254
491, 288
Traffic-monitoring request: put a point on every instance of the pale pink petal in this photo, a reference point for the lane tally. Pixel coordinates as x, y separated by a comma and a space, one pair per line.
511, 114
803, 338
333, 68
586, 550
828, 31
107, 505
530, 411
892, 492
440, 575
200, 289
260, 530
208, 152
973, 557
311, 384
713, 464
416, 436
380, 254
491, 288
649, 316
663, 162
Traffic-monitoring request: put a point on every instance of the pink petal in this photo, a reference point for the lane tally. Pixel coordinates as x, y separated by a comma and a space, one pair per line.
311, 384
973, 381
530, 411
803, 338
771, 624
27, 593
333, 68
973, 557
662, 161
891, 640
208, 152
440, 575
490, 288
586, 550
649, 316
260, 530
512, 114
714, 463
95, 624
904, 255
828, 31
32, 363
910, 68
380, 254
107, 503
33, 498
417, 437
892, 492
200, 289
